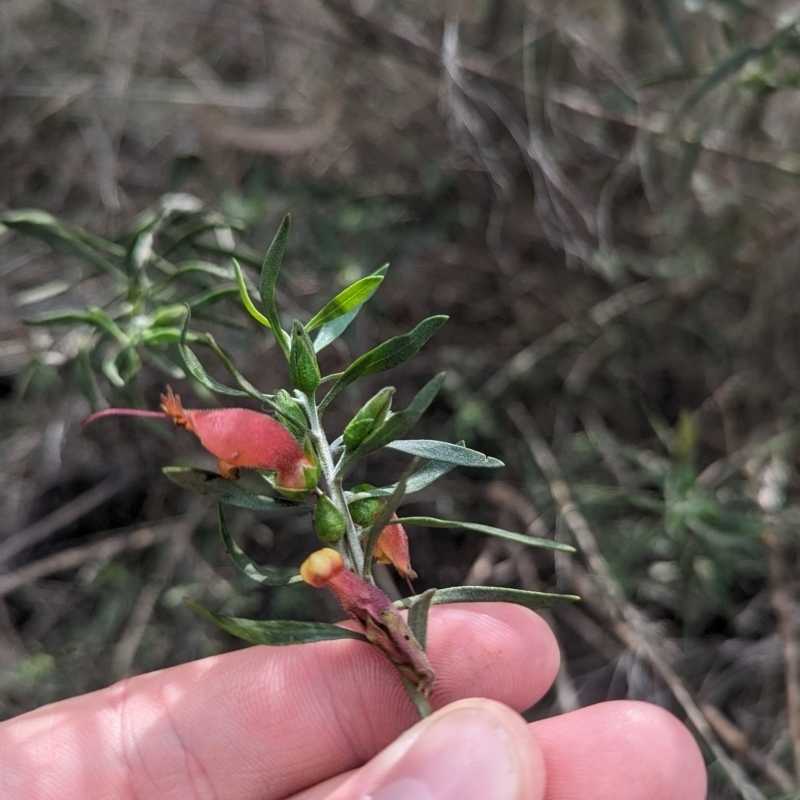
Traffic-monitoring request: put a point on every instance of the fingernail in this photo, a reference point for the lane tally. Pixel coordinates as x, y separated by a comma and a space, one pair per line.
464, 755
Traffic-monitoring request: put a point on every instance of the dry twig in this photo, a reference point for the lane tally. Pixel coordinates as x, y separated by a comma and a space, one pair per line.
605, 595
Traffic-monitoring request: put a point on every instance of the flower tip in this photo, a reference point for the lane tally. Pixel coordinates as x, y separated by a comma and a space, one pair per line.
321, 566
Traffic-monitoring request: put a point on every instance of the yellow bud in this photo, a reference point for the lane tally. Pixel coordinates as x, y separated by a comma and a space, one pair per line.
321, 566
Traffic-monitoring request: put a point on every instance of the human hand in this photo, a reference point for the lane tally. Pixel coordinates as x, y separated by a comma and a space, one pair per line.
299, 722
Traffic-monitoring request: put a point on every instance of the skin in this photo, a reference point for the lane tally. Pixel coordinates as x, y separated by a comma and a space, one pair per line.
301, 722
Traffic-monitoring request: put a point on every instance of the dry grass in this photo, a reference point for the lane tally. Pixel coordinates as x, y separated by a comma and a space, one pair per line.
603, 196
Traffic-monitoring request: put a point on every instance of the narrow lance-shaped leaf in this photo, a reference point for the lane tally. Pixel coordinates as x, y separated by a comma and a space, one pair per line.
455, 454
331, 331
210, 484
243, 383
246, 565
354, 295
211, 296
493, 594
62, 237
421, 479
269, 277
418, 616
276, 632
197, 370
386, 356
401, 422
244, 294
531, 541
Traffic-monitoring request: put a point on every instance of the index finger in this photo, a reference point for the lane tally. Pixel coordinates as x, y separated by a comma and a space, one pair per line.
265, 722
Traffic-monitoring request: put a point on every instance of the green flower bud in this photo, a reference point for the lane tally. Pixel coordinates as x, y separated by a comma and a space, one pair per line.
303, 367
369, 418
329, 522
291, 416
364, 511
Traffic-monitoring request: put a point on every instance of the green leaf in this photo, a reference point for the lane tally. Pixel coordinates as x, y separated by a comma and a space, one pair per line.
212, 485
418, 616
211, 296
493, 594
290, 414
246, 565
455, 454
369, 417
62, 318
354, 295
421, 479
244, 294
197, 370
62, 237
276, 631
385, 356
331, 331
531, 541
269, 277
401, 422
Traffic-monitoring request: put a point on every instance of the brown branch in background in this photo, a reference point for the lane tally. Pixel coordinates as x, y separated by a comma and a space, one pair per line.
599, 589
286, 141
65, 515
139, 619
139, 538
784, 588
735, 740
512, 503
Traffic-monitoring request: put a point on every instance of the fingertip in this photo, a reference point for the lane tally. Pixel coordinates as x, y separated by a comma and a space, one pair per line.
620, 750
508, 651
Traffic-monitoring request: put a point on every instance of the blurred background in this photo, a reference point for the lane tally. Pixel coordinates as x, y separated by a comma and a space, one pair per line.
603, 196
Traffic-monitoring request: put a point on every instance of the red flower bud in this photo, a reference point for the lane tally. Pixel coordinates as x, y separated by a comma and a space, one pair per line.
238, 437
368, 605
392, 548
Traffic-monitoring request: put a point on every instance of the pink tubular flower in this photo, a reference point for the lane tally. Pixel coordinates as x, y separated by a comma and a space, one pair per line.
372, 608
238, 437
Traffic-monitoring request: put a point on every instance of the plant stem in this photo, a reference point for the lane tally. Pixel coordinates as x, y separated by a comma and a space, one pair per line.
333, 481
417, 698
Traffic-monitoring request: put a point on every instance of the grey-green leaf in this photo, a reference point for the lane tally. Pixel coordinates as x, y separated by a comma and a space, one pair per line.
354, 295
212, 485
197, 370
331, 331
276, 631
421, 479
269, 277
243, 562
62, 237
455, 454
386, 356
531, 541
418, 616
494, 594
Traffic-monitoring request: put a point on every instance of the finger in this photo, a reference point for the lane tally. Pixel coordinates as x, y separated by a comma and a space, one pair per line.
471, 750
265, 722
611, 751
621, 750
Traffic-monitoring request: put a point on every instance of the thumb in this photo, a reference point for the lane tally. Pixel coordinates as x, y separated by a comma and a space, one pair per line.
471, 750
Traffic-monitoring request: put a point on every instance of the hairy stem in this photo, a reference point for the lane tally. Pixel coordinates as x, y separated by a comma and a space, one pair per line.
334, 482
